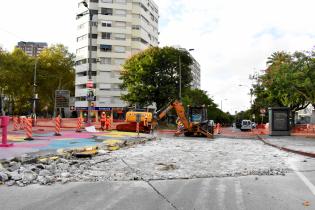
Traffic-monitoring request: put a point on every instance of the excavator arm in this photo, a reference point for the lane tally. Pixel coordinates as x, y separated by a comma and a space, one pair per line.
180, 111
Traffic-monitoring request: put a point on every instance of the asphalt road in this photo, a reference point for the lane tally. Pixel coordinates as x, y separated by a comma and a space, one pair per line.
294, 191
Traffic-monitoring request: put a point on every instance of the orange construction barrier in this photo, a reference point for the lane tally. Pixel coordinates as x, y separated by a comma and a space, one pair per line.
28, 129
57, 126
79, 124
15, 123
22, 123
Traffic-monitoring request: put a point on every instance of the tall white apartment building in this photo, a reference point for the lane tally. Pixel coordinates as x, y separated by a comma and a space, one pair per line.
195, 70
120, 28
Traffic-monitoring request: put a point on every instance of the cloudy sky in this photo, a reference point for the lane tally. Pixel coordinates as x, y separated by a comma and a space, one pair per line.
232, 39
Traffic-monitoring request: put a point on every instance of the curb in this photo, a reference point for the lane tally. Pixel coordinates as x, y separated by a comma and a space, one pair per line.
308, 154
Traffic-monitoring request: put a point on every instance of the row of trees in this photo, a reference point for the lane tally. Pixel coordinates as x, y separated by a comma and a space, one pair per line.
55, 70
153, 75
288, 81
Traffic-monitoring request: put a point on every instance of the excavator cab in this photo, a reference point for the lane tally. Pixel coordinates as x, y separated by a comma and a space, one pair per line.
197, 114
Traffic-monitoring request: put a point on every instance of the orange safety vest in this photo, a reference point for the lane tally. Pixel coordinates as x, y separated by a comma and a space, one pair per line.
145, 122
107, 121
103, 118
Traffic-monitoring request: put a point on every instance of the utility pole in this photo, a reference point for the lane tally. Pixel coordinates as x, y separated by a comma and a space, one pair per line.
180, 78
35, 95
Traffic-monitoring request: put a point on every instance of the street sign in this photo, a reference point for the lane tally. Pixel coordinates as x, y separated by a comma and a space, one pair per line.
262, 110
90, 95
62, 98
89, 84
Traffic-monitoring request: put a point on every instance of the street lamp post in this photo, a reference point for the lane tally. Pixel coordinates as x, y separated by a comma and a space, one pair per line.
35, 95
89, 59
180, 73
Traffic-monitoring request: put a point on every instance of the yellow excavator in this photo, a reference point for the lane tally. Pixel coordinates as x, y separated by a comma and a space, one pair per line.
195, 122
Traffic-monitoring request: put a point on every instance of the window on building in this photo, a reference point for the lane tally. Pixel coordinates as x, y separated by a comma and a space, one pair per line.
93, 60
94, 11
79, 62
105, 48
94, 1
121, 1
119, 61
120, 36
107, 1
93, 23
107, 23
105, 61
93, 48
94, 36
106, 35
107, 11
120, 12
121, 24
136, 39
135, 27
120, 49
105, 86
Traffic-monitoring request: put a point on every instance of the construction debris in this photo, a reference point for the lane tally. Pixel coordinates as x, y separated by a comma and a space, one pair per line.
65, 166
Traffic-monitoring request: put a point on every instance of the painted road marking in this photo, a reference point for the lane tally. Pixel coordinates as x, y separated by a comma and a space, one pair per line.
306, 181
239, 195
221, 194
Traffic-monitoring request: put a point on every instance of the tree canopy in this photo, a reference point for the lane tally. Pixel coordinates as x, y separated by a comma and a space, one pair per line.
54, 70
288, 81
153, 76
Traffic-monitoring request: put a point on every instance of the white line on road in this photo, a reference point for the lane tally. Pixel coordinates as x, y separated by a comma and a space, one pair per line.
221, 194
307, 182
239, 195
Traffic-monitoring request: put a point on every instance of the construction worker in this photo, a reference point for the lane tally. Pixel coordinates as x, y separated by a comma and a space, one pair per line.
145, 123
107, 123
103, 121
180, 125
218, 126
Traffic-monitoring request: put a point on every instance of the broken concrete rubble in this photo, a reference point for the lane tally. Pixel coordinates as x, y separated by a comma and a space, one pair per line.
63, 168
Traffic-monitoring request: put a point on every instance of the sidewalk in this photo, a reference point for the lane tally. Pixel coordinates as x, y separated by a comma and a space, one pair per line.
300, 143
297, 144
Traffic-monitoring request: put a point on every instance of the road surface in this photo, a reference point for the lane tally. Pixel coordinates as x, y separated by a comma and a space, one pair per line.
183, 174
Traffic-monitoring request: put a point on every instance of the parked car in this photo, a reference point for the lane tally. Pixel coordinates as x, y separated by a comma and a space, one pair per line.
246, 125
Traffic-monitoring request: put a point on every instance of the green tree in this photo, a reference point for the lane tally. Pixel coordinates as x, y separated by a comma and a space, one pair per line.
153, 76
16, 70
278, 86
55, 72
